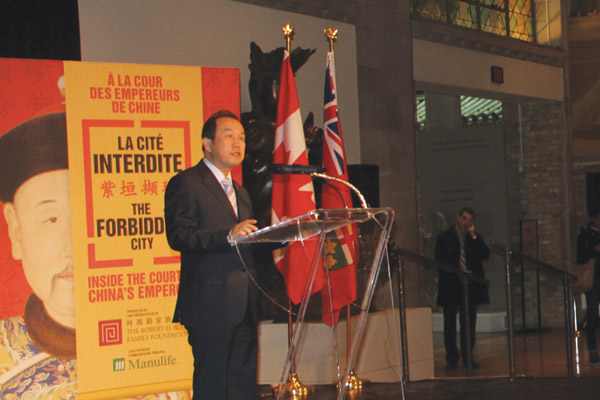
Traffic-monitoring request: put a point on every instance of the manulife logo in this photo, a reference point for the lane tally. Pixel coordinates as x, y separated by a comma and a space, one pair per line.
118, 364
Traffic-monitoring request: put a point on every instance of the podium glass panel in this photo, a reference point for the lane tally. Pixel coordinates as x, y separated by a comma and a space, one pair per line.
316, 224
308, 225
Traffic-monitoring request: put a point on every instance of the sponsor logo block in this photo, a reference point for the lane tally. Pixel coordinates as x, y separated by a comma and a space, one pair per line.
110, 332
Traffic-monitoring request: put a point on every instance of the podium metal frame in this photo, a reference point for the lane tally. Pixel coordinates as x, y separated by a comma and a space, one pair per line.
318, 223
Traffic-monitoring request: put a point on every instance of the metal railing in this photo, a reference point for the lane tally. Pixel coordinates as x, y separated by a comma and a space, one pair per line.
464, 277
509, 257
512, 255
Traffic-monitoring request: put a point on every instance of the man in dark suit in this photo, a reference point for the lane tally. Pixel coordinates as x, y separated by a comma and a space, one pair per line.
588, 246
216, 303
462, 246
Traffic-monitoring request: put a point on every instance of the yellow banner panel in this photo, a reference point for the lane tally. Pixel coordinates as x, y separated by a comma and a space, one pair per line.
130, 128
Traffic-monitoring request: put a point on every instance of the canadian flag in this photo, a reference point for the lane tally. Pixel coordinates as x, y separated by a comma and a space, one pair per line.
292, 194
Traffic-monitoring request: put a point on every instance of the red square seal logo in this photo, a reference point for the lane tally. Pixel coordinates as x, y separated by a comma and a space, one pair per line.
110, 332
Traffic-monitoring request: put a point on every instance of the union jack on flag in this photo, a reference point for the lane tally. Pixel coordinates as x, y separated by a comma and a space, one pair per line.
341, 249
331, 122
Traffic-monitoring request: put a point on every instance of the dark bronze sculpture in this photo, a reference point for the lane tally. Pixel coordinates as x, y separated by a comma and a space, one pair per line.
259, 124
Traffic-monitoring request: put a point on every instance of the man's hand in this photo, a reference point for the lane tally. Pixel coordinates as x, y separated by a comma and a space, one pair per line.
243, 228
472, 231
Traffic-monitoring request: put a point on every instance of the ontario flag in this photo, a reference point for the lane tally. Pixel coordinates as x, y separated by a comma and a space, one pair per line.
292, 195
341, 249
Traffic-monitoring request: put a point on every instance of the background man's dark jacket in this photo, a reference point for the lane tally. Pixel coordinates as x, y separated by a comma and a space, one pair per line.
447, 250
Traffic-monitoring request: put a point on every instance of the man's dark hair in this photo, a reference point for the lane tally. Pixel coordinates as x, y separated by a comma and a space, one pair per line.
467, 210
210, 126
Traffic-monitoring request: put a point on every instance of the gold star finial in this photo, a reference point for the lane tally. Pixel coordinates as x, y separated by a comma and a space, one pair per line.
288, 33
332, 36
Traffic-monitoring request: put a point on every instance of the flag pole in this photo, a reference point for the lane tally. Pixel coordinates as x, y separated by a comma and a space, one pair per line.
353, 383
294, 389
288, 32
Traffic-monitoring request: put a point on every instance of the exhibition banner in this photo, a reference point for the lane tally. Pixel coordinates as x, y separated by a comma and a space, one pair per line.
26, 88
129, 128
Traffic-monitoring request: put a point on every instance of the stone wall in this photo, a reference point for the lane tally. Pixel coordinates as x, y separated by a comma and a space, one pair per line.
536, 186
584, 78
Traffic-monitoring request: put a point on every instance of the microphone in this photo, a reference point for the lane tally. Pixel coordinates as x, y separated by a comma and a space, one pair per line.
296, 169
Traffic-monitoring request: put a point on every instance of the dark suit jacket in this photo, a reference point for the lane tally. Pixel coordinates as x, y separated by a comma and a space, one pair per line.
588, 246
447, 250
214, 287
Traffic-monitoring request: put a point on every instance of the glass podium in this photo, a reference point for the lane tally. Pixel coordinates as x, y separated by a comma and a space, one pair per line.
317, 224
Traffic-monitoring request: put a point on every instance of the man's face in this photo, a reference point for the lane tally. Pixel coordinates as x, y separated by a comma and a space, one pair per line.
227, 149
39, 223
464, 221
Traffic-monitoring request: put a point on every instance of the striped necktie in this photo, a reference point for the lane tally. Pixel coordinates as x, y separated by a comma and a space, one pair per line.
463, 260
228, 187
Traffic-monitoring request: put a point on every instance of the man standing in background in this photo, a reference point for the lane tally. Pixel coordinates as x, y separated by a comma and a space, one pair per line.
461, 246
588, 247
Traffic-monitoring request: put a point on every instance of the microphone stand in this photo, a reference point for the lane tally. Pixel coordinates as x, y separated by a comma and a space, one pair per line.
295, 389
353, 383
363, 202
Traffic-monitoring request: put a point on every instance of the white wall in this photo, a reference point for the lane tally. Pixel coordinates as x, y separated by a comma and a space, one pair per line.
217, 33
379, 358
467, 70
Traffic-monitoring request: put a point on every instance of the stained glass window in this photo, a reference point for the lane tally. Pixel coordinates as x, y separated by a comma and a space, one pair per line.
491, 16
